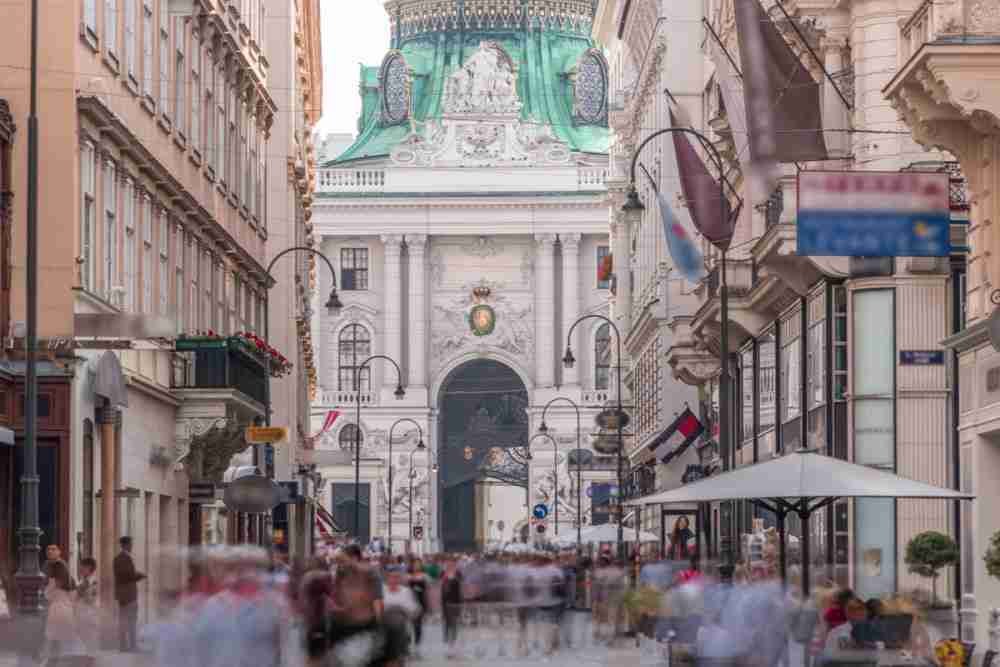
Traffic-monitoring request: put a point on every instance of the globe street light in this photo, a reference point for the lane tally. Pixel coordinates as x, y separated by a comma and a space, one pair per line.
620, 418
633, 210
399, 394
419, 448
543, 428
555, 472
420, 445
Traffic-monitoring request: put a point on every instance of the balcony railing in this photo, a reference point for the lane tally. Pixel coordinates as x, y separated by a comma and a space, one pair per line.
221, 364
351, 180
590, 178
336, 397
958, 194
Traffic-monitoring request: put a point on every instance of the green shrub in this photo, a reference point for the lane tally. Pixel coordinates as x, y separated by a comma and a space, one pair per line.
928, 553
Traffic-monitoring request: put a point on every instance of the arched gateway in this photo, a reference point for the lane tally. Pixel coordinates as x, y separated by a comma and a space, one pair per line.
483, 428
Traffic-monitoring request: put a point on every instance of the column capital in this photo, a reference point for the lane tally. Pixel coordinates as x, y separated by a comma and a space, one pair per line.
392, 242
416, 242
545, 241
570, 241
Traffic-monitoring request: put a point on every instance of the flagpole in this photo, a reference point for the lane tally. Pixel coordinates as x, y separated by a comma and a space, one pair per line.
634, 208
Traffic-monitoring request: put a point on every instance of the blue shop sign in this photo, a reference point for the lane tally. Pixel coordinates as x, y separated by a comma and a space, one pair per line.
921, 357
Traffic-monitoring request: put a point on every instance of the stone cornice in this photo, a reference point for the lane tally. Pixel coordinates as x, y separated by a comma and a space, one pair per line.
970, 338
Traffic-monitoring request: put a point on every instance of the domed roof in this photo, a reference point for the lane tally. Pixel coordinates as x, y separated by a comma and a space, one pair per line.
560, 78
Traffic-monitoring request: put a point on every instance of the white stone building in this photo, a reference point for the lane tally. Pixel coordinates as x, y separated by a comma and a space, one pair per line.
467, 223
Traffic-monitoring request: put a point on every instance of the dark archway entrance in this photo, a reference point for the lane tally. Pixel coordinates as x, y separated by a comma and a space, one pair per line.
484, 428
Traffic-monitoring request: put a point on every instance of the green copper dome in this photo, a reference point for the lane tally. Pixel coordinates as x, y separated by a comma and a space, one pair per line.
561, 78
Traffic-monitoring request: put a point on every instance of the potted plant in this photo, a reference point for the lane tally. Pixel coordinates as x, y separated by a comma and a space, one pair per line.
926, 555
992, 556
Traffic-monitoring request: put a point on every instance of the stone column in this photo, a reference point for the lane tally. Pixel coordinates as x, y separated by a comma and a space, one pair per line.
622, 260
544, 310
571, 300
108, 418
416, 245
835, 113
391, 321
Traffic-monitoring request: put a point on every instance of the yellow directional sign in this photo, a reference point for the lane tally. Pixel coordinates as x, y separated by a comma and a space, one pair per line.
265, 435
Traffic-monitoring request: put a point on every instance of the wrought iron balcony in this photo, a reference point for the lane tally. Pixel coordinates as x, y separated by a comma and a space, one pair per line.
221, 363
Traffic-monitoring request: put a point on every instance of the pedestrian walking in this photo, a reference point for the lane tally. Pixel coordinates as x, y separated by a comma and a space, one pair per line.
127, 579
61, 636
87, 617
451, 604
418, 584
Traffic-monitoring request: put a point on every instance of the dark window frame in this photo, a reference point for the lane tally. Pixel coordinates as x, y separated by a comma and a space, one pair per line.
354, 269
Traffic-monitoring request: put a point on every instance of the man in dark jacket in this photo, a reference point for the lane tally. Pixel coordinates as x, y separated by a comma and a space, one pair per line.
127, 579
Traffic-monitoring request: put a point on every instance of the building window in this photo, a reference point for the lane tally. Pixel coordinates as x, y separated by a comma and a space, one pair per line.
131, 247
194, 296
88, 169
791, 367
354, 268
602, 252
130, 51
591, 89
220, 127
747, 383
355, 345
211, 282
874, 362
209, 112
147, 51
839, 343
164, 60
347, 435
179, 283
164, 275
110, 230
179, 86
147, 255
232, 160
602, 357
111, 29
90, 21
766, 381
196, 93
395, 79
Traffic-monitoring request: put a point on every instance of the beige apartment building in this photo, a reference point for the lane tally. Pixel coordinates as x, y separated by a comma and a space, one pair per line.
157, 130
945, 89
821, 349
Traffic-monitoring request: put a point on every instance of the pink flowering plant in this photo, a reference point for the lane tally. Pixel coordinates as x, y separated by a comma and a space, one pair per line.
278, 364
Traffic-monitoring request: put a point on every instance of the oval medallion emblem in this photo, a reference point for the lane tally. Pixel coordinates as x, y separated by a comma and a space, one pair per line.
482, 320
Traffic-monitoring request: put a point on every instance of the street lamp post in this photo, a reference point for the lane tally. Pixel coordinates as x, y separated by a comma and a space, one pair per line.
29, 577
420, 445
579, 469
399, 394
633, 209
555, 471
568, 361
409, 540
333, 306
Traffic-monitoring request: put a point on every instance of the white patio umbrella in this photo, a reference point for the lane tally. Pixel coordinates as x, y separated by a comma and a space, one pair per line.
608, 532
801, 482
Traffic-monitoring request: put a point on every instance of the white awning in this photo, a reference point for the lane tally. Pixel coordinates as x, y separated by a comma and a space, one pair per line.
801, 474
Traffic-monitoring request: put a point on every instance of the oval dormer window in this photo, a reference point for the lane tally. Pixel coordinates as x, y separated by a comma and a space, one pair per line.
591, 89
395, 90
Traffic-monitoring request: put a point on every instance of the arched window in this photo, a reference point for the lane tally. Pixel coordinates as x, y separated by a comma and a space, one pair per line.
395, 81
602, 357
591, 89
347, 437
355, 345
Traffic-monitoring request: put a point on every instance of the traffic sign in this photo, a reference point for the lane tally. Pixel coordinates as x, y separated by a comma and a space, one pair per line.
418, 532
265, 435
540, 511
540, 529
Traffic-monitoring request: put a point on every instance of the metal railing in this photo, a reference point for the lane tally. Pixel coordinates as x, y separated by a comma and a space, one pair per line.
335, 397
223, 366
589, 178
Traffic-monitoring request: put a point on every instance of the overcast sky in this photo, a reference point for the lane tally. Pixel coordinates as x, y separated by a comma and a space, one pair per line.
354, 31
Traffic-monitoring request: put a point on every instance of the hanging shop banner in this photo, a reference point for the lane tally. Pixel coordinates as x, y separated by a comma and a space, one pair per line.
873, 214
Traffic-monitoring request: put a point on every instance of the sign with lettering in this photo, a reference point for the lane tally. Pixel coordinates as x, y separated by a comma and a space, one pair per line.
265, 435
921, 357
874, 214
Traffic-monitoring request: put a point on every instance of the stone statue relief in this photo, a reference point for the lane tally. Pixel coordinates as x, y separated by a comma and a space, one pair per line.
485, 83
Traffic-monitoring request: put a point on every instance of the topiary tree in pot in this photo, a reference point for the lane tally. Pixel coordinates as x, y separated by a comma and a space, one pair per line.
927, 554
992, 556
